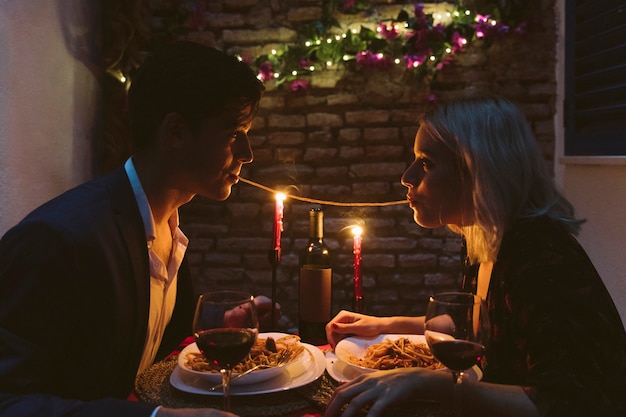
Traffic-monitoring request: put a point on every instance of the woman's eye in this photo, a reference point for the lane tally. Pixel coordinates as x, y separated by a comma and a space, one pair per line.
427, 164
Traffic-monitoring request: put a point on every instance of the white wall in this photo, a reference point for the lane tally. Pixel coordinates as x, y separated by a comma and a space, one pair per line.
47, 106
597, 188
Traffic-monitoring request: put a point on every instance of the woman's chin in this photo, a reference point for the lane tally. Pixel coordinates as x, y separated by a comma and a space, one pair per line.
425, 222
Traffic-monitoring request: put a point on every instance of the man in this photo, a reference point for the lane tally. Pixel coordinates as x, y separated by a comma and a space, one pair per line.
94, 283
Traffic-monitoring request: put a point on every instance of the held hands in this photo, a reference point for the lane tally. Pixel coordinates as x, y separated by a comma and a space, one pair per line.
347, 323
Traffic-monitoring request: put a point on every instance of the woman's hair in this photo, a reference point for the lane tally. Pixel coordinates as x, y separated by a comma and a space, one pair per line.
193, 80
502, 170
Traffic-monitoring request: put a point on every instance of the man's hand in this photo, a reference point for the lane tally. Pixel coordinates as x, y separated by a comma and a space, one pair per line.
264, 310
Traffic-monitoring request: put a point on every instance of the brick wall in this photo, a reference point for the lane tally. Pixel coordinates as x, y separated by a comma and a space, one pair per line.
348, 138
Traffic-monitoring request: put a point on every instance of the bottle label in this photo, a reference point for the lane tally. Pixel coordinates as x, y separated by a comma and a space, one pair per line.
315, 293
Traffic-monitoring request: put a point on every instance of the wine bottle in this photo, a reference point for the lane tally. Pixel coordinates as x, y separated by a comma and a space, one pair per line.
315, 286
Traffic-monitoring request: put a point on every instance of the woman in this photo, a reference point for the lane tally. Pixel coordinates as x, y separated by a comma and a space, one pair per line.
558, 346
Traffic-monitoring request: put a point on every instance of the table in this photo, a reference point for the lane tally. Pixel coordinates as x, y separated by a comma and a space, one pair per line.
153, 387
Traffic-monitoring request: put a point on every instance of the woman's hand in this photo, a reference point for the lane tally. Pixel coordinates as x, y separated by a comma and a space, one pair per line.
383, 389
347, 323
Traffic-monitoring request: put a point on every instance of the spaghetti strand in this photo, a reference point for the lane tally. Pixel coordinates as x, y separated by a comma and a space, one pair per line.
324, 202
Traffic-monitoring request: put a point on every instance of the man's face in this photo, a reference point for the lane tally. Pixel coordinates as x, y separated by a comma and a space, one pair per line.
214, 154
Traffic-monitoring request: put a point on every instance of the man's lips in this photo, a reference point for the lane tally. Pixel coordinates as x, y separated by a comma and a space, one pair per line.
233, 177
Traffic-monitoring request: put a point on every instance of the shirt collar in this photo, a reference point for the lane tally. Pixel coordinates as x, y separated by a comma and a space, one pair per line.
142, 200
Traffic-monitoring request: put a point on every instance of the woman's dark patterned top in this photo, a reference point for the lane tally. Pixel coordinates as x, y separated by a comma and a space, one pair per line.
554, 327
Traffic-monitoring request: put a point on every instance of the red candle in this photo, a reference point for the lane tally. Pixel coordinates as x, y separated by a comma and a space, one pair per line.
358, 284
278, 223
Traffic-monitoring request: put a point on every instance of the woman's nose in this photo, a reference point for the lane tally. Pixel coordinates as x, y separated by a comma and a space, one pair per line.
410, 178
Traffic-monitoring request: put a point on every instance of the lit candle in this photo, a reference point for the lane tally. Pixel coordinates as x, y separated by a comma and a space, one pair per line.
358, 284
278, 223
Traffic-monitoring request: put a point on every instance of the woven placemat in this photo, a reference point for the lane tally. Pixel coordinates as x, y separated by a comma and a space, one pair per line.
153, 386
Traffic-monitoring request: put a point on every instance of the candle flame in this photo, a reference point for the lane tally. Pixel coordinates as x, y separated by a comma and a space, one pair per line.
281, 196
357, 230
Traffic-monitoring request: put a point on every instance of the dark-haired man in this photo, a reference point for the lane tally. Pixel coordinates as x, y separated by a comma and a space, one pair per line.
95, 284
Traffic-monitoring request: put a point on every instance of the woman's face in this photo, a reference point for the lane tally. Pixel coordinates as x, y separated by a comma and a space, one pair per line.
434, 183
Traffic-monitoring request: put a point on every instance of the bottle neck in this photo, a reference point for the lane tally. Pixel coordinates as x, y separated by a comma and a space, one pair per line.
316, 225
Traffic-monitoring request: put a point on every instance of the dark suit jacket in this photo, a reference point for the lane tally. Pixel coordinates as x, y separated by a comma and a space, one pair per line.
74, 300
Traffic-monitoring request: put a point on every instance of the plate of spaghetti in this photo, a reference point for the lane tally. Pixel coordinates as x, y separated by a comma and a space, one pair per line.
267, 350
386, 351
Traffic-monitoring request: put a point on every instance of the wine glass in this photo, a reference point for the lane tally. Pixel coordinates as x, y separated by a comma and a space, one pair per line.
456, 329
225, 327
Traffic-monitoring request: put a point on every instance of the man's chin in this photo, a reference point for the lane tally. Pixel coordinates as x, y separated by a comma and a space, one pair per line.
219, 195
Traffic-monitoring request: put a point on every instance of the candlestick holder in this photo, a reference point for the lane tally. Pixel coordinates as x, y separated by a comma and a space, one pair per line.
273, 256
359, 305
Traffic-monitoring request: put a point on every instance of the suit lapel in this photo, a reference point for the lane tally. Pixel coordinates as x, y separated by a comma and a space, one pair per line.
130, 226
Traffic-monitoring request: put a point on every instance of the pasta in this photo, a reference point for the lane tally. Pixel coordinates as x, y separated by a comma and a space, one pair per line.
264, 352
400, 353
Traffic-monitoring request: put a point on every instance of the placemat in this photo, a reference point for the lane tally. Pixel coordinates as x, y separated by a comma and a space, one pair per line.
153, 386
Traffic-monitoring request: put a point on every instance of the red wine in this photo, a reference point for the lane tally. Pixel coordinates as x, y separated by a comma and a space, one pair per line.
225, 347
458, 355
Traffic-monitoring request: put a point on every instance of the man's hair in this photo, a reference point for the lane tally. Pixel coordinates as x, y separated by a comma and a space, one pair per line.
502, 170
193, 80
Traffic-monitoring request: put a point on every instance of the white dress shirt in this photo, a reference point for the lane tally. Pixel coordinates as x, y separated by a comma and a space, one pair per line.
162, 276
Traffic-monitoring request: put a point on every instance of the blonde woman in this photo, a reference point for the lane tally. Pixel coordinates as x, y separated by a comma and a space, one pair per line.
557, 345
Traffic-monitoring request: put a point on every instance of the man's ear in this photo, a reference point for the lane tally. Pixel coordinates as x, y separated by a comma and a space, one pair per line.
172, 129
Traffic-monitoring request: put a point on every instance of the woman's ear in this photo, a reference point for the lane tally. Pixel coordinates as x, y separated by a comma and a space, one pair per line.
172, 130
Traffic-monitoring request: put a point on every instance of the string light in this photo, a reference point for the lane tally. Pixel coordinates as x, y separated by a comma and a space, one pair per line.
402, 41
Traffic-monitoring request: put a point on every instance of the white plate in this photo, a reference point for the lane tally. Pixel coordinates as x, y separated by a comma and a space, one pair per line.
341, 370
294, 375
254, 377
356, 347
